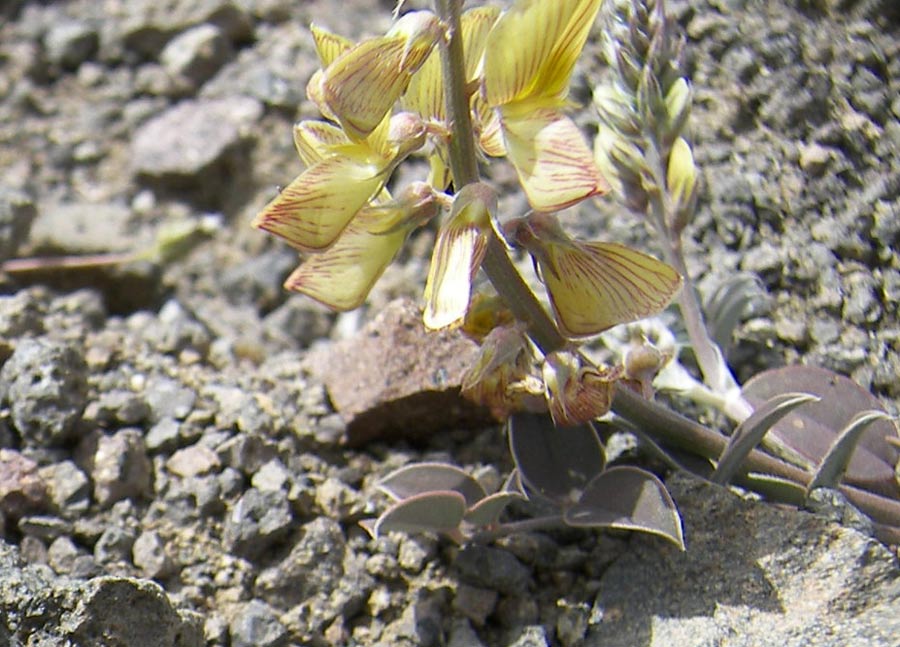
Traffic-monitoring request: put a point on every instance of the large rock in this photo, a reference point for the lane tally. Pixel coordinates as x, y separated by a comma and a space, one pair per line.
753, 575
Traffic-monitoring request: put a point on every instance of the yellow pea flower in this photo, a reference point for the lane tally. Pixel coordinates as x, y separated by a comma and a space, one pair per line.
342, 276
363, 83
528, 62
593, 286
458, 252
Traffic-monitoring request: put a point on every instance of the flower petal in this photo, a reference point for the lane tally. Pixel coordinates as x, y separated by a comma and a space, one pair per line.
595, 286
576, 392
311, 211
342, 276
316, 140
532, 49
361, 86
328, 44
555, 166
458, 252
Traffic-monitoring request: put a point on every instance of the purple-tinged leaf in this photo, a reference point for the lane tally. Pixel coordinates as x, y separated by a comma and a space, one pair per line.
487, 511
628, 498
556, 463
430, 512
835, 463
421, 478
812, 431
749, 433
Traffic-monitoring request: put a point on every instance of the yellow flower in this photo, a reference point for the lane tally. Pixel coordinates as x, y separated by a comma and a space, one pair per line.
363, 83
458, 252
593, 286
342, 276
528, 62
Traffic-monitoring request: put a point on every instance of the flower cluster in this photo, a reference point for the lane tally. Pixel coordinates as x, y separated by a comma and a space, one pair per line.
383, 99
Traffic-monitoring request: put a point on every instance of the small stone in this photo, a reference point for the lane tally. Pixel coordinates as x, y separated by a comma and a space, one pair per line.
163, 436
246, 452
120, 468
45, 385
814, 159
414, 552
572, 623
314, 567
168, 398
70, 43
44, 527
338, 500
462, 635
271, 476
195, 55
117, 408
22, 491
257, 521
492, 568
532, 636
149, 555
475, 603
256, 625
215, 629
62, 553
861, 304
193, 461
114, 545
17, 213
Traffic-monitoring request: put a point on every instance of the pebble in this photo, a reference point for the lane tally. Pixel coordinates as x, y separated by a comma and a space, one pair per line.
117, 408
44, 384
115, 545
531, 636
256, 522
272, 476
22, 490
193, 461
17, 213
150, 556
120, 468
492, 568
475, 603
256, 625
70, 43
44, 527
163, 436
195, 55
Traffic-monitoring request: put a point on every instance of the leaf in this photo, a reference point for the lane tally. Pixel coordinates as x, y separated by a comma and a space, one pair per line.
421, 478
774, 488
487, 511
628, 498
812, 431
554, 463
429, 512
731, 302
836, 461
750, 432
554, 164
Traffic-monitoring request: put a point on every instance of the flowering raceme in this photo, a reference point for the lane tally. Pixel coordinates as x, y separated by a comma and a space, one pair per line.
383, 100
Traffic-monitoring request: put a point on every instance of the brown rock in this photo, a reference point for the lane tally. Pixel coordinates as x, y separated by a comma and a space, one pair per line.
396, 379
22, 491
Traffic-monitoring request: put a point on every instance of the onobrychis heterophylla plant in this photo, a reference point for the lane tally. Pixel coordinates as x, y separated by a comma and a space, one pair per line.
462, 88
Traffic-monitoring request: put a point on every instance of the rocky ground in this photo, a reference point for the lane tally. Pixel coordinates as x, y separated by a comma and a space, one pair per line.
171, 471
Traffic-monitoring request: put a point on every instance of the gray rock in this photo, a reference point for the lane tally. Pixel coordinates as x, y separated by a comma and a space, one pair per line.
256, 522
44, 527
195, 55
273, 475
22, 314
492, 568
188, 146
314, 566
168, 398
256, 625
117, 408
753, 574
102, 611
45, 385
67, 486
163, 436
150, 556
81, 227
115, 544
247, 452
120, 468
533, 636
70, 43
193, 461
17, 213
63, 554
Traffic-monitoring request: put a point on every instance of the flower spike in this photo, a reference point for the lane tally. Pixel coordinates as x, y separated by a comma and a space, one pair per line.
593, 286
458, 252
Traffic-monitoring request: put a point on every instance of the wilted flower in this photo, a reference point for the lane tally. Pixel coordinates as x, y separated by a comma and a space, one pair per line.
576, 391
